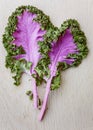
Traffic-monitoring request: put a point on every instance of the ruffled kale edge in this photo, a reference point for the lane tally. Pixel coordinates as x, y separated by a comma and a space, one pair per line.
81, 42
12, 50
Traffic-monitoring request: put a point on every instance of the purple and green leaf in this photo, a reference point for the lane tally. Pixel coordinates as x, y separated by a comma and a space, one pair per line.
35, 46
64, 50
26, 28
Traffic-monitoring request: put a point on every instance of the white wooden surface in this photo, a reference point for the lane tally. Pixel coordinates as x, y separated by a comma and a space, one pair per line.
71, 107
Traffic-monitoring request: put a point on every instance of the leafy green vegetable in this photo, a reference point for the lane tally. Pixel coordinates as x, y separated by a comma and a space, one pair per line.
36, 47
67, 51
26, 28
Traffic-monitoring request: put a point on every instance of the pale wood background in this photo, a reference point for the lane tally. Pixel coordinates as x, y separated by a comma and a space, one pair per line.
71, 107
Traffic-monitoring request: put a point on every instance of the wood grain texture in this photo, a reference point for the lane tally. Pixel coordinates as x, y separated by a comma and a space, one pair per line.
70, 107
